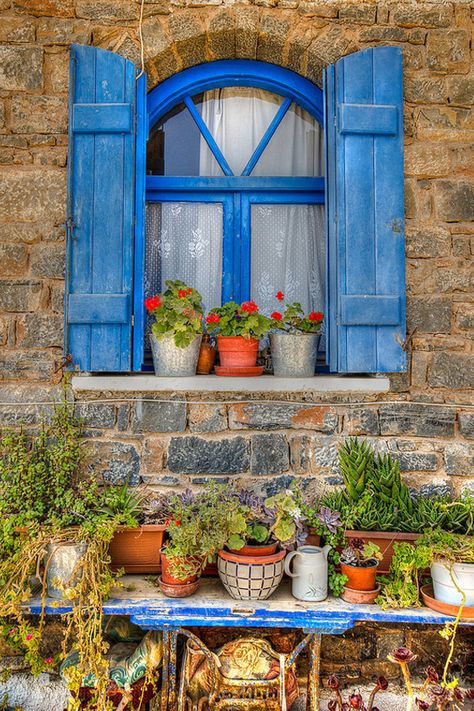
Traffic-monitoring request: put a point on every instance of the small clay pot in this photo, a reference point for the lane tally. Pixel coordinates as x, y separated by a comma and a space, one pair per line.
237, 351
207, 356
360, 597
181, 590
169, 579
256, 551
360, 578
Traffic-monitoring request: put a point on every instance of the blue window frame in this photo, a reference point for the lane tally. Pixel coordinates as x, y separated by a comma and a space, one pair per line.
235, 192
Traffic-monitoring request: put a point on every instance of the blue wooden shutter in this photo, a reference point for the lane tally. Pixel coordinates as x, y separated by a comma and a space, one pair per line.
101, 210
366, 256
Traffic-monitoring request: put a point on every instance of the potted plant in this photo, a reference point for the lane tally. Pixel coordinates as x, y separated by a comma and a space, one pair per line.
239, 329
326, 525
452, 567
138, 538
176, 331
359, 562
295, 340
252, 567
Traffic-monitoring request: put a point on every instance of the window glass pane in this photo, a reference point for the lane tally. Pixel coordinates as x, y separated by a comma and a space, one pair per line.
288, 254
184, 241
174, 146
296, 147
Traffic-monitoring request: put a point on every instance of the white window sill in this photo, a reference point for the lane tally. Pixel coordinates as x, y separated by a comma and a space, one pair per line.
214, 383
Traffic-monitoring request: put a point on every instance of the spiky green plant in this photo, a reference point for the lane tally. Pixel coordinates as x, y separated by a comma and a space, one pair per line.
356, 462
388, 485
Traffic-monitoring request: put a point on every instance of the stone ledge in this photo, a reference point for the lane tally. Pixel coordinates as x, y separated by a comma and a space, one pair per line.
213, 383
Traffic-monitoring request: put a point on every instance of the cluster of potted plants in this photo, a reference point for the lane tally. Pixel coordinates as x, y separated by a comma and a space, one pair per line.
181, 339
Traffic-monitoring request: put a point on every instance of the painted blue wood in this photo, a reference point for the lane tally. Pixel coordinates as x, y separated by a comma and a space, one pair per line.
268, 135
102, 118
332, 276
240, 72
139, 315
369, 310
207, 135
365, 216
354, 118
101, 209
234, 183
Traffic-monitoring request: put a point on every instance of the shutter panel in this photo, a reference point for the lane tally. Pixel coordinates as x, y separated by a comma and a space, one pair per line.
101, 210
366, 254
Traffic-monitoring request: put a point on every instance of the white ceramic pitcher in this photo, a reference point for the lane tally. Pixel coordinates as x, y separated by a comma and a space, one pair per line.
310, 576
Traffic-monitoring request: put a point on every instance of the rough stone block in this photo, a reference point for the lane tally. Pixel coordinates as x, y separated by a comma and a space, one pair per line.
454, 200
13, 259
15, 412
39, 331
423, 241
466, 425
51, 8
358, 12
96, 414
425, 15
418, 420
21, 68
159, 416
57, 298
465, 317
331, 44
32, 195
48, 260
207, 418
300, 453
270, 454
452, 370
429, 314
154, 454
123, 417
278, 416
116, 462
189, 38
26, 365
19, 296
195, 455
247, 21
448, 51
383, 34
426, 161
62, 31
416, 461
460, 89
17, 29
106, 10
272, 39
56, 69
155, 37
459, 459
39, 114
221, 34
362, 421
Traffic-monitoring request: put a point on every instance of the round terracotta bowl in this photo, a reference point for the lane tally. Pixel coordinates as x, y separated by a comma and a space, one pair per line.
250, 577
252, 551
237, 351
183, 590
360, 578
360, 597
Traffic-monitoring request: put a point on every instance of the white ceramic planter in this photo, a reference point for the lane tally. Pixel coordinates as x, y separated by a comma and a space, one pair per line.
443, 585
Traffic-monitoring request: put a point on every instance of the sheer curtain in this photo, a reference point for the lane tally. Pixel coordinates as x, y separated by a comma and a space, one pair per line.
287, 241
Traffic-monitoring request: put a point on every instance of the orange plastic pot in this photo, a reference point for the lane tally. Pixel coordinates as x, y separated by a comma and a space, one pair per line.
137, 550
169, 579
360, 578
237, 351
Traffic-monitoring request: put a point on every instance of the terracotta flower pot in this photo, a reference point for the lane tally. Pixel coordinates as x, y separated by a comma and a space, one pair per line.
137, 550
169, 579
257, 550
385, 540
360, 597
360, 578
237, 351
207, 356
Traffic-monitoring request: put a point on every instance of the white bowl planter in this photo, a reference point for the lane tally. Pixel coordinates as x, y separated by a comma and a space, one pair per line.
443, 586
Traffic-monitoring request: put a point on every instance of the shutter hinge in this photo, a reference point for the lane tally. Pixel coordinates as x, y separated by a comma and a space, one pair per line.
133, 320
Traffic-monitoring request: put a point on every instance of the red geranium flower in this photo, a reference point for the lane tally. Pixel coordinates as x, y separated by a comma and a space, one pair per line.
280, 296
276, 315
152, 303
189, 291
49, 660
249, 306
182, 293
212, 318
316, 316
28, 637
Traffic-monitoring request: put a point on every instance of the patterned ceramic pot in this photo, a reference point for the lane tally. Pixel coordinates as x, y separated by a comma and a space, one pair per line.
170, 361
250, 578
294, 354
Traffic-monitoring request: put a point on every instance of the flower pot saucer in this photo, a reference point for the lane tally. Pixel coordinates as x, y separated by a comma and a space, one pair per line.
444, 607
360, 597
184, 590
239, 371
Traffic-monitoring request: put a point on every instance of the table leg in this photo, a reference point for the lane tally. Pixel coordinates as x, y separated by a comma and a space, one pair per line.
165, 671
313, 698
173, 671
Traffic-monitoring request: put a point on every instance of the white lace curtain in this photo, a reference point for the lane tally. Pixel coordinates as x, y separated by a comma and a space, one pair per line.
184, 240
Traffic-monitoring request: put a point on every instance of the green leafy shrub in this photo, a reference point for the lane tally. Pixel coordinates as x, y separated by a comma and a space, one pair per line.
232, 319
177, 313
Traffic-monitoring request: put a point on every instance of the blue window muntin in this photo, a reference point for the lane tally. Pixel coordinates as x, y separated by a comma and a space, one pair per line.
235, 193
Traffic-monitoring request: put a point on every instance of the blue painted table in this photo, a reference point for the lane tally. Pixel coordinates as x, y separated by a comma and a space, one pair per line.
211, 606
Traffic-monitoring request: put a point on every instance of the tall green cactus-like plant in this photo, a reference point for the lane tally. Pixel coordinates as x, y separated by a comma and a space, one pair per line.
388, 485
356, 462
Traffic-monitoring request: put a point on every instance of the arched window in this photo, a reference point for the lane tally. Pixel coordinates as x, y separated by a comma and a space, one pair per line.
235, 186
